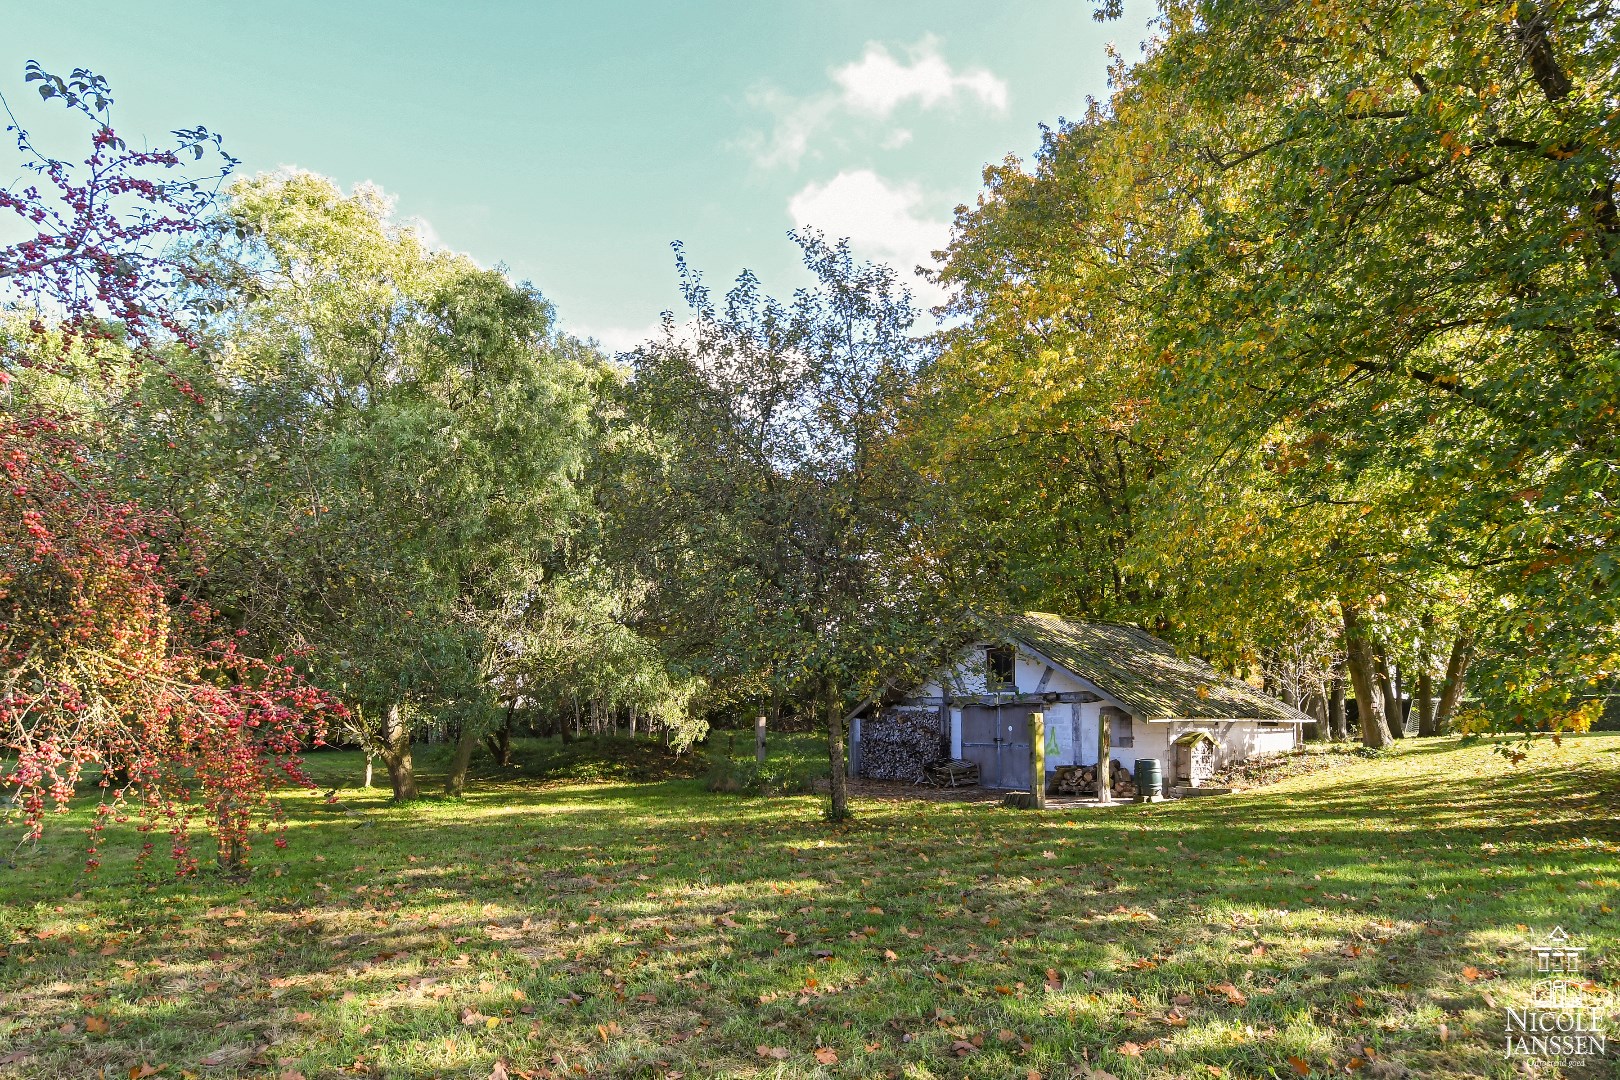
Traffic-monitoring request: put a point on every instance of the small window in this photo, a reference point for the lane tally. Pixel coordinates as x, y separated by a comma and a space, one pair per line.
1119, 731
998, 668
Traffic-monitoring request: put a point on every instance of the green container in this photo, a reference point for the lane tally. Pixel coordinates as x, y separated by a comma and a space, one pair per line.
1149, 779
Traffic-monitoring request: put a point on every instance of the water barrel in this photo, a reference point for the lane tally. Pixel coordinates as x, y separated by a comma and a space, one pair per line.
1149, 779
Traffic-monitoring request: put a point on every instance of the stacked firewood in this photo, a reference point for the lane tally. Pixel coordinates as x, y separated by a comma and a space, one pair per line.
895, 748
1082, 780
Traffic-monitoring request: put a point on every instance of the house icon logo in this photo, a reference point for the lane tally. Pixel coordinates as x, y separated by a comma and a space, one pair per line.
1555, 954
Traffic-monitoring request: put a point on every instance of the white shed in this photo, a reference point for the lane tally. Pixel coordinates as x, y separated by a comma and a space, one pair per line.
1079, 674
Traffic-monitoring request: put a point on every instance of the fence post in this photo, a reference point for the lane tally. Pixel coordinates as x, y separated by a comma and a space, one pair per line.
759, 739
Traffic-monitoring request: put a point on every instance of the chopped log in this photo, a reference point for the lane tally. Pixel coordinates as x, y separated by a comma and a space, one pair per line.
1082, 780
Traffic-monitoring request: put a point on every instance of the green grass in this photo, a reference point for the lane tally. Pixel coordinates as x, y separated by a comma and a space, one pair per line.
577, 929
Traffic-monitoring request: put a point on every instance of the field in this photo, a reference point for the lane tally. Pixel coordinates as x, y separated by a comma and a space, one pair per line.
573, 922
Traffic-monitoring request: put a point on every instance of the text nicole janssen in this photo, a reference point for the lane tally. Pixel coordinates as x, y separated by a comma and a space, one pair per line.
1568, 1032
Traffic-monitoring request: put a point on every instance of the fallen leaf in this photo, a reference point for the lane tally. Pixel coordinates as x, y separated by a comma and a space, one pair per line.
499, 1072
779, 1053
962, 1048
826, 1055
1470, 973
1129, 1049
1299, 1066
890, 955
95, 1025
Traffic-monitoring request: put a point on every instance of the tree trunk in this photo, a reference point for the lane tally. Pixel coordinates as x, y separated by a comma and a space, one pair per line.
500, 742
1462, 651
1316, 708
1336, 723
455, 781
1358, 658
1425, 686
1425, 704
1386, 689
838, 783
396, 753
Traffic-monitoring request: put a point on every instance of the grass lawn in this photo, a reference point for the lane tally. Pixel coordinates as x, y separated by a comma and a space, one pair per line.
1372, 917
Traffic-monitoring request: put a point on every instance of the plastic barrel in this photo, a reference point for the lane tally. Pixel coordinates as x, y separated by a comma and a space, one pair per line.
1149, 778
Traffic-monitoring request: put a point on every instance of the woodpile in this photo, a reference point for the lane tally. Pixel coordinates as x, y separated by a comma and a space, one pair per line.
1082, 780
952, 773
896, 748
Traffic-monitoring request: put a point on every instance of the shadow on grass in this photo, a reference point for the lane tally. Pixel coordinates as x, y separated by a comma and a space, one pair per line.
1335, 908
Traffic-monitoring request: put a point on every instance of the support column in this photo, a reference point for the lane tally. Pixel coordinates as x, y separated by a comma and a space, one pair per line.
1037, 758
759, 739
1105, 758
956, 734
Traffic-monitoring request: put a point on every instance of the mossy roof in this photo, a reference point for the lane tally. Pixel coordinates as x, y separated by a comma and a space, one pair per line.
1145, 673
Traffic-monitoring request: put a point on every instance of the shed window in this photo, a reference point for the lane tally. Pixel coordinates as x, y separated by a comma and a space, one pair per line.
998, 668
1119, 731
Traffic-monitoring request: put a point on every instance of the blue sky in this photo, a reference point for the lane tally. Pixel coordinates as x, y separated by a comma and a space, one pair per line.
573, 142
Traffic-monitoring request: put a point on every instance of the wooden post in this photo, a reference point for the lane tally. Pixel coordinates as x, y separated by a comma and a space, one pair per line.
1037, 758
759, 739
1105, 757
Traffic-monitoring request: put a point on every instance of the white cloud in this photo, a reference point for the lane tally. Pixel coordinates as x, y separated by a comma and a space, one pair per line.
883, 221
796, 121
870, 89
618, 339
878, 83
622, 339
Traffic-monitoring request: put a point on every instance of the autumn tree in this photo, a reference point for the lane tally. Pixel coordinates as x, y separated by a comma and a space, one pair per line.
1409, 267
106, 664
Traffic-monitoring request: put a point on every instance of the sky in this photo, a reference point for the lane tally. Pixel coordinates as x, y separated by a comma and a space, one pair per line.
573, 143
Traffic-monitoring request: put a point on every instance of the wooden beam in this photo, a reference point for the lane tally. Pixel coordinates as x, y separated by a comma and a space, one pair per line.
1037, 758
1105, 759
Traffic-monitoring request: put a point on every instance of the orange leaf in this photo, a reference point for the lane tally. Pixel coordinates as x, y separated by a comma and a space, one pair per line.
776, 1052
827, 1055
1299, 1066
1130, 1049
95, 1025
